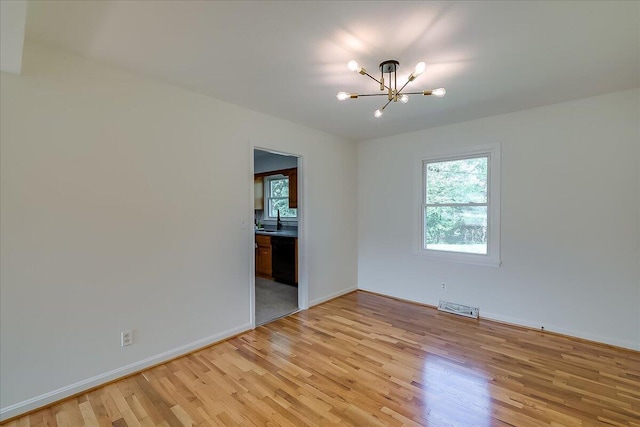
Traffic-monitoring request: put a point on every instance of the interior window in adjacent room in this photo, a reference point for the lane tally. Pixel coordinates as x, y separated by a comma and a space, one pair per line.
278, 197
461, 206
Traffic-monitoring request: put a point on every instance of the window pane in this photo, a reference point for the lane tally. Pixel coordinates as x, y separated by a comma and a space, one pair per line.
283, 205
279, 188
456, 229
457, 181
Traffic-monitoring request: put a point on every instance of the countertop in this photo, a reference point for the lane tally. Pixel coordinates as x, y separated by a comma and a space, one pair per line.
277, 233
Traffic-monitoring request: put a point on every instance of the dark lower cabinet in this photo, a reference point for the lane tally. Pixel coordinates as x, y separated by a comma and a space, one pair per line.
283, 259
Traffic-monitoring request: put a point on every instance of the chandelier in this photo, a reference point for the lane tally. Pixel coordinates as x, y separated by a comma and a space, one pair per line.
390, 88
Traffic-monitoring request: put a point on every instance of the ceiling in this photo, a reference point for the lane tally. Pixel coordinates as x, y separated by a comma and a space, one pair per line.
268, 156
288, 58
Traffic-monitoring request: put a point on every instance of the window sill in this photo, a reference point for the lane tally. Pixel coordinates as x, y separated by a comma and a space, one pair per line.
460, 258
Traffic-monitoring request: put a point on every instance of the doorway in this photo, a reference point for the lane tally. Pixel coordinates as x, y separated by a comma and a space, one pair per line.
276, 220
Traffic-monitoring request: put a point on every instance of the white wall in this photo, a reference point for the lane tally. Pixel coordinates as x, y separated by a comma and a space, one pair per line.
570, 219
13, 16
121, 207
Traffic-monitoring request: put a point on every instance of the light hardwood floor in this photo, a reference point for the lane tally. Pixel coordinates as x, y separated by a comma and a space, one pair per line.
367, 360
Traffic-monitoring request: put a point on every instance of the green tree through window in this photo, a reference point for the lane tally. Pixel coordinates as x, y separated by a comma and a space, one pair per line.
456, 205
279, 198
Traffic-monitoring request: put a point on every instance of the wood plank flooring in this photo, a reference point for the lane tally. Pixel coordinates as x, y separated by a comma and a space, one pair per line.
367, 360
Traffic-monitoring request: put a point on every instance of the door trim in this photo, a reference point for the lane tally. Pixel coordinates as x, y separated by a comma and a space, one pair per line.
303, 276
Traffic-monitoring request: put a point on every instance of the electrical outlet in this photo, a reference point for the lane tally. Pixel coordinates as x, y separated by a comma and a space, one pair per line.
126, 338
444, 287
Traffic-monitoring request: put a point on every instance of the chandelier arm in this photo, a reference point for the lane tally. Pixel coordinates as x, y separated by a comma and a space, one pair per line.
385, 105
395, 81
371, 77
377, 81
403, 86
372, 94
410, 93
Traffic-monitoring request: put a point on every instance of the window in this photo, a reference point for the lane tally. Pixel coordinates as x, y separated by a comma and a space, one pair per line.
461, 207
278, 197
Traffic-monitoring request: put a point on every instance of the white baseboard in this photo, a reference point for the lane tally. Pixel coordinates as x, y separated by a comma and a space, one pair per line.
528, 324
332, 296
89, 383
569, 332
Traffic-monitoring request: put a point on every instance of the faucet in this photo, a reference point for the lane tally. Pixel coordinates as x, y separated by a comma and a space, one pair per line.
279, 223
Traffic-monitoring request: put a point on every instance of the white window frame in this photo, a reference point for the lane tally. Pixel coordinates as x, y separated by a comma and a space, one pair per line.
492, 257
268, 198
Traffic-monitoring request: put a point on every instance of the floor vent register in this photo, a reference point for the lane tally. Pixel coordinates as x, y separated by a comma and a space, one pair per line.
459, 309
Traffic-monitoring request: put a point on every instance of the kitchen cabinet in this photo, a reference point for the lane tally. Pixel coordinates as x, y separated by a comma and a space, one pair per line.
263, 256
293, 188
258, 193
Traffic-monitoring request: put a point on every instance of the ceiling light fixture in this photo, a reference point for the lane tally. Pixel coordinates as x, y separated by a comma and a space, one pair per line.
392, 92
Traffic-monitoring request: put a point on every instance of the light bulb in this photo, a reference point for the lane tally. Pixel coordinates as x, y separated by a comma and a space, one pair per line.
419, 69
404, 99
440, 92
342, 96
353, 65
377, 113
